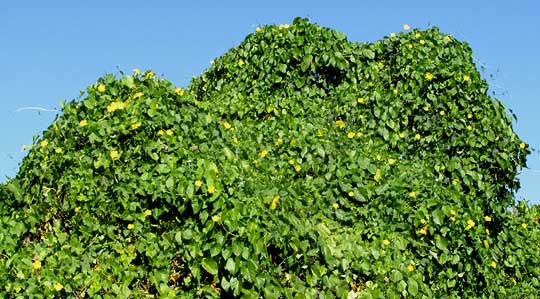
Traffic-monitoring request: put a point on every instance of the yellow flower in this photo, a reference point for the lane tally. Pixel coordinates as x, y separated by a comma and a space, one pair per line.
135, 125
83, 123
43, 143
160, 132
198, 183
147, 213
412, 194
77, 209
351, 193
36, 264
291, 161
179, 91
487, 218
215, 218
211, 189
470, 224
335, 205
410, 268
424, 230
297, 168
114, 154
410, 46
136, 72
58, 287
486, 244
58, 150
386, 242
320, 133
469, 127
423, 221
429, 76
361, 101
226, 125
487, 231
466, 78
426, 108
241, 62
417, 136
391, 161
442, 113
422, 42
169, 132
401, 135
494, 264
258, 29
359, 134
469, 116
522, 145
378, 175
406, 27
340, 123
274, 203
524, 225
263, 154
130, 226
235, 140
138, 95
417, 35
150, 75
455, 182
101, 88
351, 135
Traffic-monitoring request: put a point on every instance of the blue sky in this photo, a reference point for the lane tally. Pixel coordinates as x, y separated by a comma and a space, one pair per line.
50, 50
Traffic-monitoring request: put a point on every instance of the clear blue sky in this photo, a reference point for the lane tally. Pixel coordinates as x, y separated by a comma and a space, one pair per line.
50, 50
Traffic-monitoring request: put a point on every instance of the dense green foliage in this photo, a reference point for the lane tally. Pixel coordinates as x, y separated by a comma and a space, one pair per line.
300, 165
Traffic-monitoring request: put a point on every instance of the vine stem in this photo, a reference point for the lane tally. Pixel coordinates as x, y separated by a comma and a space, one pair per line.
37, 109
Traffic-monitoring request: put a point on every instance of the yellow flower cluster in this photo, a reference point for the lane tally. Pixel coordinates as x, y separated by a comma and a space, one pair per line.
340, 123
179, 91
101, 88
470, 224
429, 76
116, 106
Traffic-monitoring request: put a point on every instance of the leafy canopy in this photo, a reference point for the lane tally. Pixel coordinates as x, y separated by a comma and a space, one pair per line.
299, 165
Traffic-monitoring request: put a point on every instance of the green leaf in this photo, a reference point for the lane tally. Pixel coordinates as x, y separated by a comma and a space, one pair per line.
412, 286
210, 266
